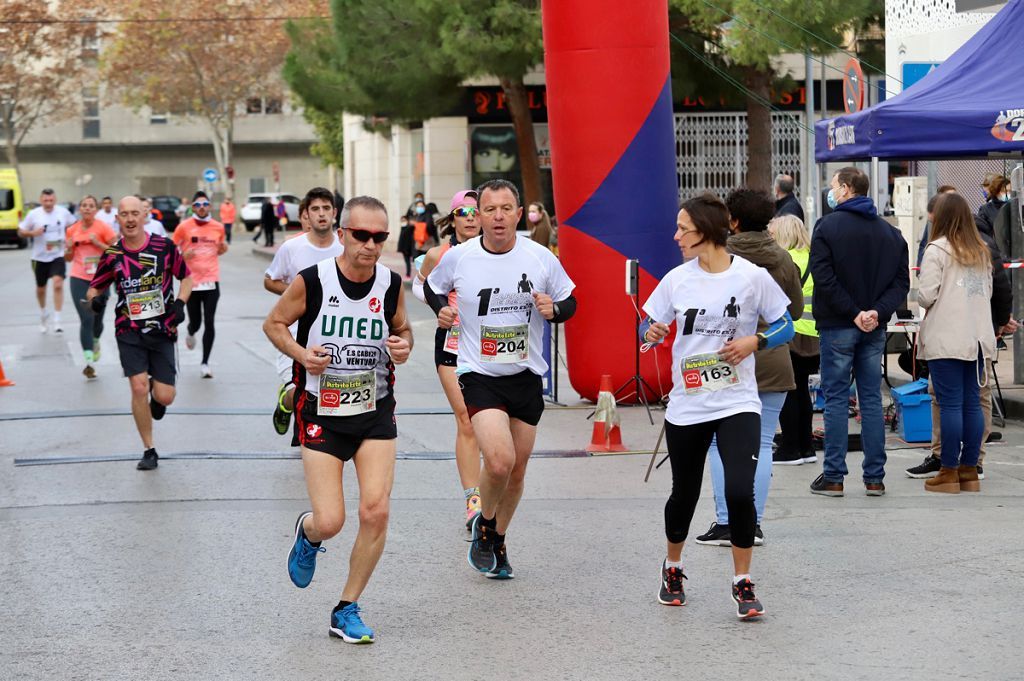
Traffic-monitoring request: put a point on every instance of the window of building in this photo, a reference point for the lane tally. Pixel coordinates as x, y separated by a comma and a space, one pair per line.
254, 105
273, 106
90, 113
90, 48
257, 185
158, 118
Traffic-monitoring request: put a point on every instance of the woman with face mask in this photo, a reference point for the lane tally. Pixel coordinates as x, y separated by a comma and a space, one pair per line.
539, 224
998, 193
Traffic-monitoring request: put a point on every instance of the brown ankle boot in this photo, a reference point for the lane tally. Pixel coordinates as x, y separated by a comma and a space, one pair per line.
969, 479
948, 481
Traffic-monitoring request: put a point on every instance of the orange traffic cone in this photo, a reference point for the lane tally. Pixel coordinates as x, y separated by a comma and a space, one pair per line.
4, 381
606, 436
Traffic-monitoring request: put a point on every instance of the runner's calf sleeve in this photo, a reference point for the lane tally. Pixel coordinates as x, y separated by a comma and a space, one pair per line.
565, 309
436, 301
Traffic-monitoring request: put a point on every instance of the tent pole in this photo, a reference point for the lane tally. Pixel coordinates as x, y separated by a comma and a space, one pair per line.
809, 174
874, 183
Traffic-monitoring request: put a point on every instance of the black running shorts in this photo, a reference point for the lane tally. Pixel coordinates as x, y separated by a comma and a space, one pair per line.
45, 270
148, 353
518, 395
442, 358
341, 436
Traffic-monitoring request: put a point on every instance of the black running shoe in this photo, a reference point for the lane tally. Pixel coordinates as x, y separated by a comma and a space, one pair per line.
928, 468
717, 535
502, 569
981, 473
481, 547
787, 457
747, 605
156, 409
758, 536
672, 592
282, 418
149, 460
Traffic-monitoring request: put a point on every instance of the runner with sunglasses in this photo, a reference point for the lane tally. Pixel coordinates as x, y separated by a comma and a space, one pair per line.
202, 241
715, 300
460, 225
506, 286
352, 331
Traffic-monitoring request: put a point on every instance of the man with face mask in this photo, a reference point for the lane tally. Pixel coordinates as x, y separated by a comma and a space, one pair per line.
861, 276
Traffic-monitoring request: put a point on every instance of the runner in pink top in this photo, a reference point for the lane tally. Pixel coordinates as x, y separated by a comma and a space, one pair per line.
85, 242
201, 241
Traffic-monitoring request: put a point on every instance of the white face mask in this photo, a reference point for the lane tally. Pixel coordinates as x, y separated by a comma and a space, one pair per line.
533, 216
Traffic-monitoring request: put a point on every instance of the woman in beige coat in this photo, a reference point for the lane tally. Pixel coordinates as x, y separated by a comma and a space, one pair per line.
956, 337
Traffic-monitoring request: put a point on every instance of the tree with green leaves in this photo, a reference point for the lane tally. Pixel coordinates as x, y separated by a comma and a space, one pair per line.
750, 34
432, 46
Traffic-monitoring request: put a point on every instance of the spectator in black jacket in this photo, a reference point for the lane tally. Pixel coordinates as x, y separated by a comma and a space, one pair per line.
268, 221
861, 276
785, 202
1002, 308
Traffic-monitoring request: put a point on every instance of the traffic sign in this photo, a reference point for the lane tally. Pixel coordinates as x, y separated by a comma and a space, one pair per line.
210, 175
914, 71
853, 87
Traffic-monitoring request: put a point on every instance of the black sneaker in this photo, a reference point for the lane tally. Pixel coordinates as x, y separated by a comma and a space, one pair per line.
758, 536
928, 468
747, 605
502, 569
672, 592
981, 473
717, 535
156, 409
481, 547
825, 488
787, 457
149, 460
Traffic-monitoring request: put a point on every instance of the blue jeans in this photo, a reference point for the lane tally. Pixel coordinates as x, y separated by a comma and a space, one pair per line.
771, 405
963, 425
846, 353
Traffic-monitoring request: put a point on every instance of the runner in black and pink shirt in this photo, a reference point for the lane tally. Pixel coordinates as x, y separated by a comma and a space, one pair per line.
142, 267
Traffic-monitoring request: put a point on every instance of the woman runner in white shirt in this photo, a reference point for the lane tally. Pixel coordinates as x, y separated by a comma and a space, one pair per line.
715, 300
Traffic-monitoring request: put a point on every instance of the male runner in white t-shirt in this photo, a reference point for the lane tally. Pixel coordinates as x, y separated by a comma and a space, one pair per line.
47, 224
319, 242
506, 287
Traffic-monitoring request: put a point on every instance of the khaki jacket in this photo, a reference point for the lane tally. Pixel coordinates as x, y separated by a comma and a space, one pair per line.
958, 321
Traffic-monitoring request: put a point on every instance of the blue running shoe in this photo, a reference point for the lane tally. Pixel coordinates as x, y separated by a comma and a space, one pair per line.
481, 547
347, 625
302, 557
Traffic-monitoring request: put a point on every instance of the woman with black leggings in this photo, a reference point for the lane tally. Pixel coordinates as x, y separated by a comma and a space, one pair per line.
715, 300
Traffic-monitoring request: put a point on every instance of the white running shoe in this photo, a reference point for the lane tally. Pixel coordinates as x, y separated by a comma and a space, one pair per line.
204, 370
57, 328
190, 342
43, 318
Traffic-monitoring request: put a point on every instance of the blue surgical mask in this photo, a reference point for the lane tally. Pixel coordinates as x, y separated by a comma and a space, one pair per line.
1004, 197
420, 210
831, 199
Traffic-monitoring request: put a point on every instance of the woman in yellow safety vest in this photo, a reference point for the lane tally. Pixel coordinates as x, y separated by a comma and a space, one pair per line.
795, 420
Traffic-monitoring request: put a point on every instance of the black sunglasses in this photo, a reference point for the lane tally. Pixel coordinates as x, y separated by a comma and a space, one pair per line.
365, 235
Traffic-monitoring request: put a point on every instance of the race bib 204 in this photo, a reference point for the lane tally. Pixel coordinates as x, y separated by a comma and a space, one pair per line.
504, 344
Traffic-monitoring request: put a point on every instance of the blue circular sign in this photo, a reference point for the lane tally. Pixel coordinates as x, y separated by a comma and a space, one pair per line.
210, 175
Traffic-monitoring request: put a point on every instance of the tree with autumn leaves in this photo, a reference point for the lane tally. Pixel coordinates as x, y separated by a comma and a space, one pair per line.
40, 65
200, 59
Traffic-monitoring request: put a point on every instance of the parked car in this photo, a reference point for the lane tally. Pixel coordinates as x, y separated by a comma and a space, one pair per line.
253, 205
166, 205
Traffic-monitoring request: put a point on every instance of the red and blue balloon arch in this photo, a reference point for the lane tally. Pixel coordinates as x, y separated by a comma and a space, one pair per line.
614, 168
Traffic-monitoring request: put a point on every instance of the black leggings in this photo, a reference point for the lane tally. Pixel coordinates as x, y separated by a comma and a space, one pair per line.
798, 412
739, 438
202, 306
92, 323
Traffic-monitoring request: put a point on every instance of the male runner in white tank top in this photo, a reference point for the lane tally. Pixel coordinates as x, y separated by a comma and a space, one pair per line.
352, 331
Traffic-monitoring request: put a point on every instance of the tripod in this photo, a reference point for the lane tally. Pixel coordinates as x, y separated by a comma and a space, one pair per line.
635, 382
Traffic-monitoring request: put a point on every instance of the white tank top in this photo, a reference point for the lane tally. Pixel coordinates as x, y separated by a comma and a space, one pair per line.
354, 332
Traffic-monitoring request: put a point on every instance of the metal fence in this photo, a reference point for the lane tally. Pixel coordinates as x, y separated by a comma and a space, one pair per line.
711, 150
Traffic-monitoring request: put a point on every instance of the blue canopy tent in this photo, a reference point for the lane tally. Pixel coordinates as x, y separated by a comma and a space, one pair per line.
970, 106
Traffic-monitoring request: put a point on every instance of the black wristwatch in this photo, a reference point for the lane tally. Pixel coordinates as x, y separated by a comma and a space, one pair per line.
762, 341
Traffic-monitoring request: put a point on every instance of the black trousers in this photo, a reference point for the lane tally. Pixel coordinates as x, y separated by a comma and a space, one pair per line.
798, 412
202, 306
739, 439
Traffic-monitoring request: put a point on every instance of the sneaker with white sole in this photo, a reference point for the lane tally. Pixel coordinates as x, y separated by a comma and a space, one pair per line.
204, 371
44, 318
672, 592
747, 605
347, 624
717, 535
190, 342
928, 468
